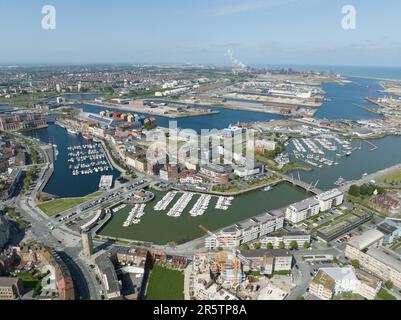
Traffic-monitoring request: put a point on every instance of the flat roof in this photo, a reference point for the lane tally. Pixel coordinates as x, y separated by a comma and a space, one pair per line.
107, 268
8, 281
338, 274
266, 252
388, 226
328, 195
305, 204
366, 239
386, 256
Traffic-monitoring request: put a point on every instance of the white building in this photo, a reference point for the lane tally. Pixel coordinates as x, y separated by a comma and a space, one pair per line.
310, 207
276, 238
234, 236
244, 172
330, 199
303, 210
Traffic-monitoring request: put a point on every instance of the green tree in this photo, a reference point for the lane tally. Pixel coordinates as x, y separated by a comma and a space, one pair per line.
244, 246
355, 263
354, 191
257, 245
294, 245
281, 245
269, 246
389, 284
306, 245
335, 260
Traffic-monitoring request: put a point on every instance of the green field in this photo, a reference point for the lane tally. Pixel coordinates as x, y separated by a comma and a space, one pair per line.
393, 176
385, 295
51, 208
165, 284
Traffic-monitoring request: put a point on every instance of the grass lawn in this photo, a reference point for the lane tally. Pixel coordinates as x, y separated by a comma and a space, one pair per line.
384, 295
29, 280
51, 208
165, 284
393, 176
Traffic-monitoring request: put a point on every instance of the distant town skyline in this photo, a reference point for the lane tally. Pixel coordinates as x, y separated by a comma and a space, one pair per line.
268, 32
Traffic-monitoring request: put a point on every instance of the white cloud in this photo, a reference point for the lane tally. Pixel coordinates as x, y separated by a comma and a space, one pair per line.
247, 6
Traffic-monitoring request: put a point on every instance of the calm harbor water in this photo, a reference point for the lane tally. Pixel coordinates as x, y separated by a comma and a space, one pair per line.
342, 104
159, 228
360, 162
63, 183
213, 121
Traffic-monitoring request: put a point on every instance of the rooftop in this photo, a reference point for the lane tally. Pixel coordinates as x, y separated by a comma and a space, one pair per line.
265, 252
386, 256
366, 239
305, 204
388, 226
8, 281
328, 195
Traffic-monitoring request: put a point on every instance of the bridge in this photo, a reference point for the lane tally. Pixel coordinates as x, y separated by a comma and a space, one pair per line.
296, 181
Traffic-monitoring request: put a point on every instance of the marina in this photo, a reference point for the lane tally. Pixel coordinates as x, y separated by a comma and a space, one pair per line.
319, 152
179, 207
223, 203
201, 205
87, 159
135, 215
162, 229
165, 202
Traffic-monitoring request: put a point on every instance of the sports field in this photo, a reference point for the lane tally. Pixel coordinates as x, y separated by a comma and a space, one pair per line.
165, 284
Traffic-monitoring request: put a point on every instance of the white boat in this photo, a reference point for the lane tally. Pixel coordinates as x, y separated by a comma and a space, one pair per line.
268, 188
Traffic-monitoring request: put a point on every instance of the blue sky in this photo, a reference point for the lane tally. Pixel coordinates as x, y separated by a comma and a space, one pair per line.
184, 31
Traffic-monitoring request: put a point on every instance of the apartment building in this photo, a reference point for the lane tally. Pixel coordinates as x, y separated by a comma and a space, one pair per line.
373, 257
267, 261
330, 199
276, 238
250, 230
310, 207
10, 288
22, 121
334, 281
303, 210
